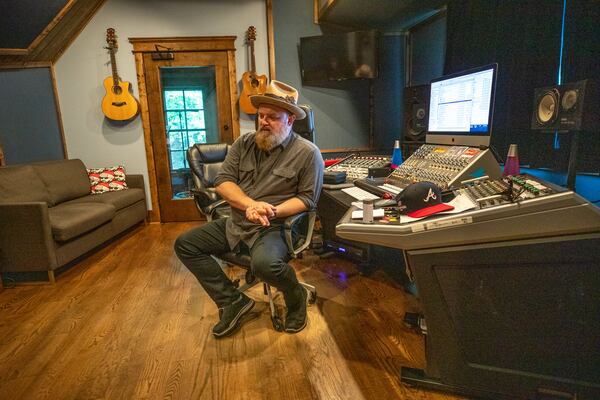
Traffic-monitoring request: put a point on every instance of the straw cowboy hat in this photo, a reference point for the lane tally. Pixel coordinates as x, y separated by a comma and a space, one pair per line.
281, 95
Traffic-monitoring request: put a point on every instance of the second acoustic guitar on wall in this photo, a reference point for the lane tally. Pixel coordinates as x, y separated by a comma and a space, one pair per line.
251, 82
118, 104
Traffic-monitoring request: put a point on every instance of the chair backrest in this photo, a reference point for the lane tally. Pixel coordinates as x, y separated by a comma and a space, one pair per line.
306, 127
205, 161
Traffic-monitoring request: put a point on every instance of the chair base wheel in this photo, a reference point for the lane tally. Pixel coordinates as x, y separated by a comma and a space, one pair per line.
312, 296
277, 323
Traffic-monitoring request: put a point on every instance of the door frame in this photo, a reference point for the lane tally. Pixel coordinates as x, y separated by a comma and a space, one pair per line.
162, 47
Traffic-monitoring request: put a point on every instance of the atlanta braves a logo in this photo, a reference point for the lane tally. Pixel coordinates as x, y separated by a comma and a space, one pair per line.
430, 195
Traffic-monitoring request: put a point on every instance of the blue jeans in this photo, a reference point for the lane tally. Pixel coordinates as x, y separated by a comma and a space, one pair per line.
269, 256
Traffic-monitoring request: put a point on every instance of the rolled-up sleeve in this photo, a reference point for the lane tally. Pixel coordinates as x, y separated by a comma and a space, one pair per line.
311, 181
229, 171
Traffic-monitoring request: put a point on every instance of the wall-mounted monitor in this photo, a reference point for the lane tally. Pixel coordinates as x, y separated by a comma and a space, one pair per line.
338, 57
461, 107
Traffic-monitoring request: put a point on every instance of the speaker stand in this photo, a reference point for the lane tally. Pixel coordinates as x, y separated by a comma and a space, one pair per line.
572, 168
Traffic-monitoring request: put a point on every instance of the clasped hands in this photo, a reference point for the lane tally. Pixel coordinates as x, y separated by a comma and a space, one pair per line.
261, 212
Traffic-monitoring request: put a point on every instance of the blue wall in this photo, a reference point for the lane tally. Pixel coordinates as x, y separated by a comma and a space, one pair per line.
29, 127
586, 185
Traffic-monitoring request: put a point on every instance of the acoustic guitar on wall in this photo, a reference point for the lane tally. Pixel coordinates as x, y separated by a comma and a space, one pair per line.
251, 82
118, 104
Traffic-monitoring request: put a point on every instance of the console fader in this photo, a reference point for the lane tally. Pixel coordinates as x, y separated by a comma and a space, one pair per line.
444, 165
357, 167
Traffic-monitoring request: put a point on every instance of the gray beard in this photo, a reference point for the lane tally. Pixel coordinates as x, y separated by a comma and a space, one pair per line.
268, 140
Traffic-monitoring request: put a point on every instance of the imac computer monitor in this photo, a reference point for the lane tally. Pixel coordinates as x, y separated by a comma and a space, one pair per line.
461, 106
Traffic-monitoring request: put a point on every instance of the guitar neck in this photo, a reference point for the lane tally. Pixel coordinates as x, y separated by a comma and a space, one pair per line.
252, 62
113, 64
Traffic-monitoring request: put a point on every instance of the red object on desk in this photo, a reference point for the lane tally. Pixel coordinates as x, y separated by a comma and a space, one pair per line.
332, 161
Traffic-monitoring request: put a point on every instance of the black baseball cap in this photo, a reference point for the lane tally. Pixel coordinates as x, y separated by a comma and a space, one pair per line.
422, 199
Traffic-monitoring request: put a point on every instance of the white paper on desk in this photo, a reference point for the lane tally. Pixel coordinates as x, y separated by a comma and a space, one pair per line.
377, 213
461, 203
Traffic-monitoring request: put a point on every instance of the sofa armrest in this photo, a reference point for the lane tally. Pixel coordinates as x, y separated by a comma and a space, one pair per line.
136, 181
26, 242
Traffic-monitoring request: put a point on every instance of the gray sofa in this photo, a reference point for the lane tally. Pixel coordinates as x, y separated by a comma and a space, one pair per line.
48, 217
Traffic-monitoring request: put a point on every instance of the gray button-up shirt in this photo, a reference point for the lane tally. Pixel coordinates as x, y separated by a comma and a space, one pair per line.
292, 169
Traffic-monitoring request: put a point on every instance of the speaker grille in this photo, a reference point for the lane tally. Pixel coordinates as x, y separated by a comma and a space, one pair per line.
547, 109
416, 110
569, 100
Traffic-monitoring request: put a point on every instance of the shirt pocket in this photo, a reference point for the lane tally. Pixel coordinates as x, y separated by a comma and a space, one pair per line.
246, 177
284, 174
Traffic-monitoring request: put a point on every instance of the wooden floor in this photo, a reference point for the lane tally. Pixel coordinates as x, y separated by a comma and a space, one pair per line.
130, 322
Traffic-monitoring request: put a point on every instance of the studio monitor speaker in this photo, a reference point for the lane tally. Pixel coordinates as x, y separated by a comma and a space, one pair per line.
416, 113
569, 107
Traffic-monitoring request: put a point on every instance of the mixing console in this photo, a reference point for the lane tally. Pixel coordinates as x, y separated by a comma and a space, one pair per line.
492, 192
492, 276
357, 167
444, 165
522, 206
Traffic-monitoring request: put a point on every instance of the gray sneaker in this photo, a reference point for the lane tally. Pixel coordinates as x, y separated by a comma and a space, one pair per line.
231, 314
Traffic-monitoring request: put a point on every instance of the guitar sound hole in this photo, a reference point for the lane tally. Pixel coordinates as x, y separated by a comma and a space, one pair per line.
117, 90
255, 83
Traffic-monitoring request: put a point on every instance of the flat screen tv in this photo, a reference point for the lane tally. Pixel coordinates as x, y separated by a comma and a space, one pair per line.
338, 57
461, 107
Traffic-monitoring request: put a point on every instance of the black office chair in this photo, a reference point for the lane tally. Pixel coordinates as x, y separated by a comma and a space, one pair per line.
205, 160
305, 127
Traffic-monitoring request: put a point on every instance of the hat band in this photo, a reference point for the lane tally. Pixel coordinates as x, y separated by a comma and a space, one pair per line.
287, 99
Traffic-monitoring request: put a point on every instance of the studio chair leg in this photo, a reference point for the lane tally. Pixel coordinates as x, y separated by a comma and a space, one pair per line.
312, 296
275, 319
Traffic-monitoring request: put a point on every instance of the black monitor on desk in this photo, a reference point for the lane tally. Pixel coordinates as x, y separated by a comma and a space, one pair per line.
461, 107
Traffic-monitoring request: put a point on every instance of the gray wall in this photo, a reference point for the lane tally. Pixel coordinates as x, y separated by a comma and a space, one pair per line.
29, 127
341, 111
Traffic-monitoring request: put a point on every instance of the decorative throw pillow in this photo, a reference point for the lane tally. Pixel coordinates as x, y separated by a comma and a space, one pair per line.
109, 179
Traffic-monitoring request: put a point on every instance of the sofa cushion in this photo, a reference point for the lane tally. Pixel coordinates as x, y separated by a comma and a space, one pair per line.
64, 179
108, 179
21, 184
119, 199
71, 220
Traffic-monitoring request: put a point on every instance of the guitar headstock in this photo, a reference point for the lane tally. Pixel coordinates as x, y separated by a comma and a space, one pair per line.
111, 38
251, 34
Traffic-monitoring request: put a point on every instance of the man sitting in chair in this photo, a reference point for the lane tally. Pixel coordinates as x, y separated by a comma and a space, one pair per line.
267, 176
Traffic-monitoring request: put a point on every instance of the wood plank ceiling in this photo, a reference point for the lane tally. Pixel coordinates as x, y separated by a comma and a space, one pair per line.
54, 38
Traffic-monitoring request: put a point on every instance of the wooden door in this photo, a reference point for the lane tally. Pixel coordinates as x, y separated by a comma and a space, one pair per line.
189, 100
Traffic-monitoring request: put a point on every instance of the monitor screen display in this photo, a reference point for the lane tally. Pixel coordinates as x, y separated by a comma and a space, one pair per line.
338, 57
461, 107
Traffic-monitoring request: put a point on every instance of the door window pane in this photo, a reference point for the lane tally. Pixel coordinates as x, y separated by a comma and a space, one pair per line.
195, 119
174, 120
193, 99
174, 100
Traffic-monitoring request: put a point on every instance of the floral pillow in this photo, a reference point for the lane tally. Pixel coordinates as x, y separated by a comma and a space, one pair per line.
109, 179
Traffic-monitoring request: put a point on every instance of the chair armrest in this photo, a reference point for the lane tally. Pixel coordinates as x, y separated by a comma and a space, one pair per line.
135, 181
212, 208
26, 242
289, 224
